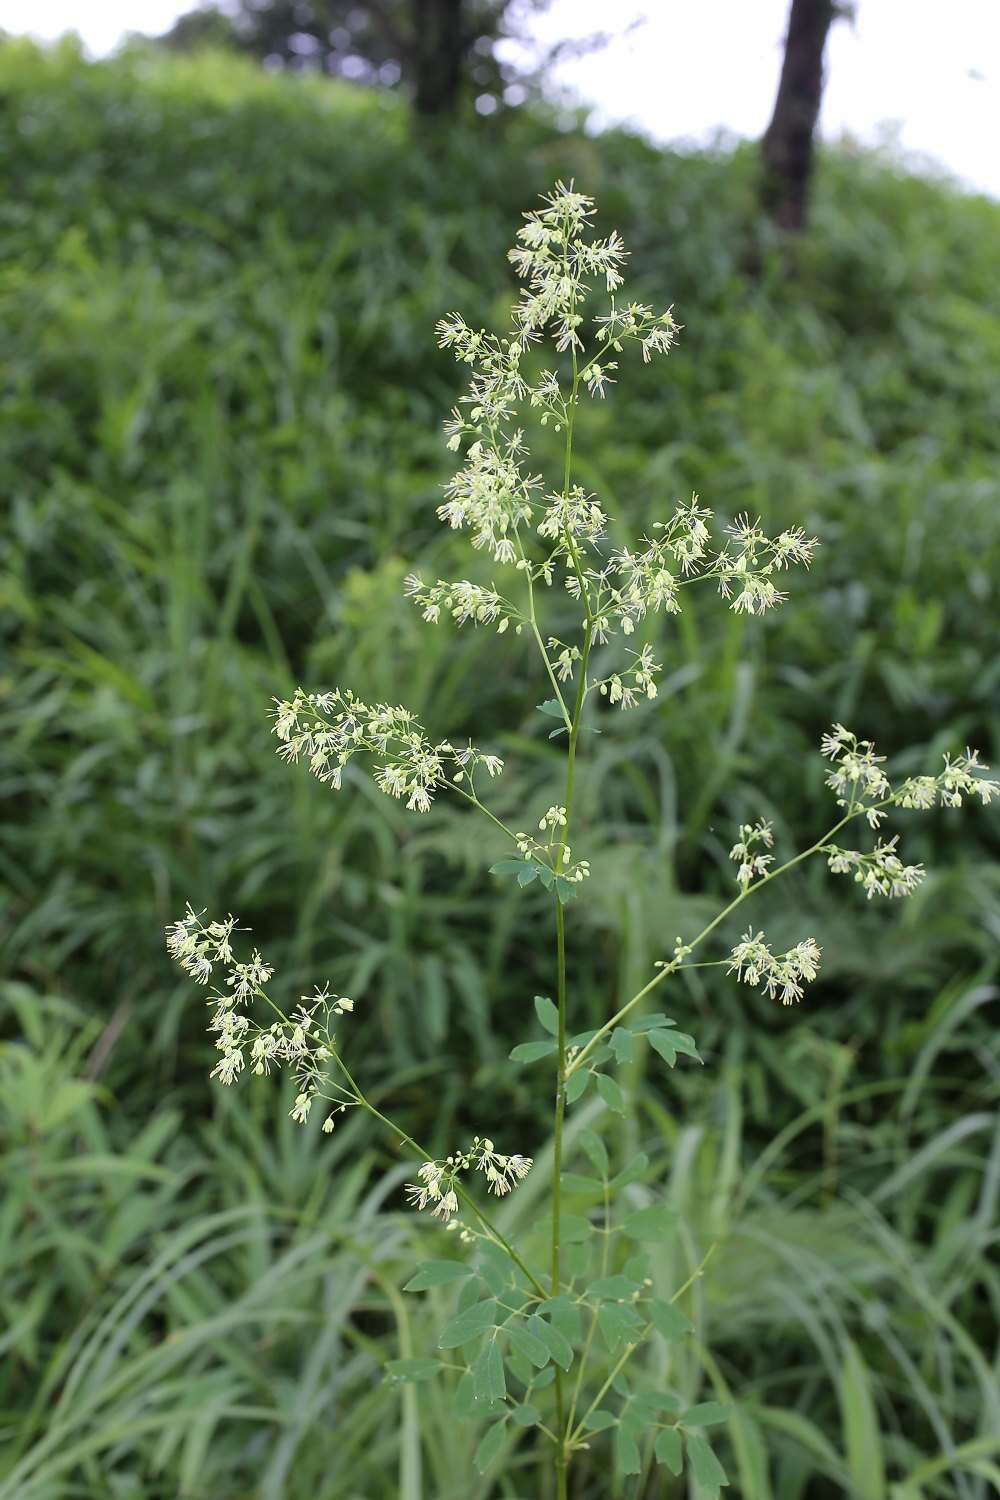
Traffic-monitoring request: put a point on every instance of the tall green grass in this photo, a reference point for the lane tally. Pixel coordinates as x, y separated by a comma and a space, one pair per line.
219, 453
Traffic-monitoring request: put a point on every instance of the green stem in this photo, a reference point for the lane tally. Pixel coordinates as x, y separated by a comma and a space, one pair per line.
632, 1347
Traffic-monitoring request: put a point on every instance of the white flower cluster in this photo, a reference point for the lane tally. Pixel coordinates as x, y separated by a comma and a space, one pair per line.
780, 973
491, 496
634, 584
857, 776
880, 873
302, 1041
637, 680
752, 863
463, 601
656, 332
496, 384
328, 728
577, 512
959, 779
198, 947
745, 574
564, 658
435, 1185
556, 260
530, 848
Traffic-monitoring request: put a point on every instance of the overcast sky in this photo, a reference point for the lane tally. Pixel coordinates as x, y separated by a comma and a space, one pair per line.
924, 72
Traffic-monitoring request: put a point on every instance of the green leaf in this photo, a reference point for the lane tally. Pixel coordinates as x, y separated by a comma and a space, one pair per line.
509, 866
576, 1185
594, 1149
668, 1449
551, 707
611, 1093
668, 1320
565, 889
600, 1421
436, 1273
487, 1373
622, 1044
865, 1459
564, 1313
574, 1229
529, 873
651, 1022
649, 1405
527, 1344
617, 1288
547, 1014
559, 1348
468, 1325
526, 1415
469, 1293
489, 1446
578, 1260
463, 1402
494, 1266
661, 1042
627, 1451
685, 1044
496, 1278
576, 1084
618, 1324
529, 1052
544, 1378
706, 1414
653, 1223
632, 1173
704, 1465
412, 1369
637, 1267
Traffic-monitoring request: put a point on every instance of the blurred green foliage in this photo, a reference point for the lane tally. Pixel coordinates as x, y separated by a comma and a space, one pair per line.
219, 453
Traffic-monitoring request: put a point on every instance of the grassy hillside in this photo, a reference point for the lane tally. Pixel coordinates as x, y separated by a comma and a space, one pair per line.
219, 454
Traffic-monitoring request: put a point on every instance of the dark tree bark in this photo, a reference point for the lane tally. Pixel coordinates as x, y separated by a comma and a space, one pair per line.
787, 147
439, 48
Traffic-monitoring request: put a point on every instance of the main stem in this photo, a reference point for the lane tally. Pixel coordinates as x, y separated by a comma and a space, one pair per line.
562, 1453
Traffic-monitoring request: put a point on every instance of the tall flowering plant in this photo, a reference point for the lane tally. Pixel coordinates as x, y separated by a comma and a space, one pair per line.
542, 1339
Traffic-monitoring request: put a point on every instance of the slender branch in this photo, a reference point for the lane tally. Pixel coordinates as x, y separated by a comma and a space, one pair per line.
460, 1191
471, 796
633, 1346
533, 625
671, 968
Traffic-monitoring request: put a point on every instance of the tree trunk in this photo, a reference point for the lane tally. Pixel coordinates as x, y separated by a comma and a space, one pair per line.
787, 147
439, 52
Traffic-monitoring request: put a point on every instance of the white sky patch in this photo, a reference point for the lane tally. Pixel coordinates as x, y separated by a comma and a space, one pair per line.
921, 74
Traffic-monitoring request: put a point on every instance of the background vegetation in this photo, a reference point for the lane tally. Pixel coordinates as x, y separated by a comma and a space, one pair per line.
220, 452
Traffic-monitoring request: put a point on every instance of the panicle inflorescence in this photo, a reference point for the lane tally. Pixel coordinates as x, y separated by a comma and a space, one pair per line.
503, 506
436, 1180
861, 786
633, 584
879, 873
463, 601
960, 778
303, 1041
747, 852
780, 973
327, 729
857, 777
